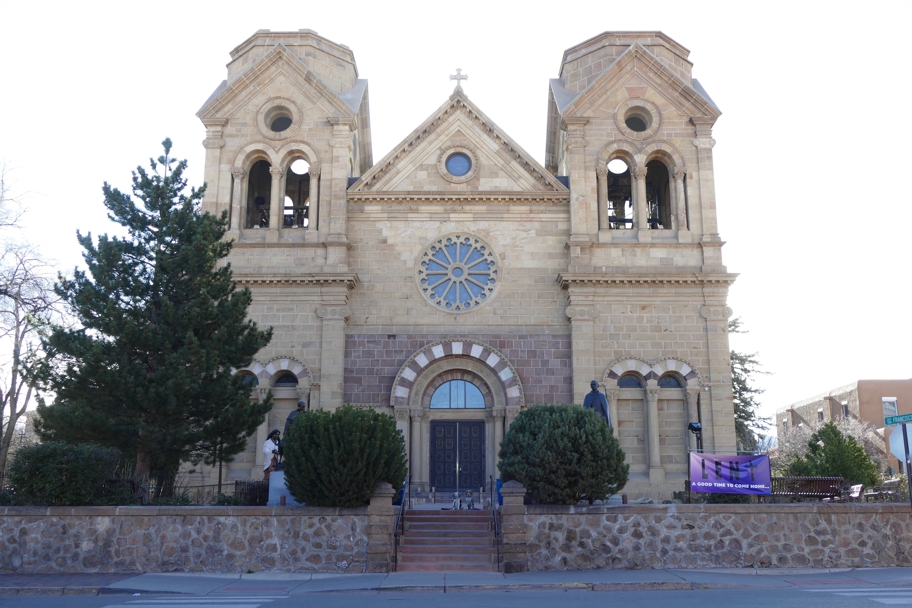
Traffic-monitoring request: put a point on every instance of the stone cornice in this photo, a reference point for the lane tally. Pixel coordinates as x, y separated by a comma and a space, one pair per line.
349, 280
593, 279
461, 198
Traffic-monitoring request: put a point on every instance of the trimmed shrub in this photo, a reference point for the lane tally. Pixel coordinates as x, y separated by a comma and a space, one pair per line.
563, 454
338, 459
63, 474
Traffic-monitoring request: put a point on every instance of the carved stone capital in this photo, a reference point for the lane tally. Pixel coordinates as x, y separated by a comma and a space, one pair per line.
640, 173
402, 413
276, 171
512, 412
602, 173
489, 416
499, 415
678, 173
238, 174
704, 142
692, 394
718, 313
333, 312
212, 143
416, 415
315, 172
582, 312
652, 394
612, 394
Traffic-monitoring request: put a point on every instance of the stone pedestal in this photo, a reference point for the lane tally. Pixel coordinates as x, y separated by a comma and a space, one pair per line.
381, 520
515, 543
277, 489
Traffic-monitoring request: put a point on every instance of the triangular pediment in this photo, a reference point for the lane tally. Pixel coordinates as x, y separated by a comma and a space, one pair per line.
636, 62
418, 164
279, 62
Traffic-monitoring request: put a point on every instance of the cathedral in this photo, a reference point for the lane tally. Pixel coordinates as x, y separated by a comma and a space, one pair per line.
457, 280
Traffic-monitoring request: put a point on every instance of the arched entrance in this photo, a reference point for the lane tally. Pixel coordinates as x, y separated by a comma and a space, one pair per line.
452, 400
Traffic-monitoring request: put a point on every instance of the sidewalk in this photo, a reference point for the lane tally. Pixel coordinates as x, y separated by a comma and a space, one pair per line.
280, 583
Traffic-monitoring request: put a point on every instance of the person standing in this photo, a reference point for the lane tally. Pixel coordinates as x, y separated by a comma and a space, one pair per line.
301, 407
270, 453
596, 401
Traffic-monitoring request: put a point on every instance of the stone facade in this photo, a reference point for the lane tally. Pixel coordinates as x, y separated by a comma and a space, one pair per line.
567, 272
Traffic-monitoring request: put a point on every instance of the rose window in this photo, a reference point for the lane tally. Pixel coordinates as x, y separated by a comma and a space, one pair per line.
458, 273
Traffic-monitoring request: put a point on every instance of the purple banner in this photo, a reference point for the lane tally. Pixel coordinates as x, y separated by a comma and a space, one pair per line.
729, 474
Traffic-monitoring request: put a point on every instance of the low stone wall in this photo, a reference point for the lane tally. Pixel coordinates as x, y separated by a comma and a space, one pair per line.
184, 539
822, 535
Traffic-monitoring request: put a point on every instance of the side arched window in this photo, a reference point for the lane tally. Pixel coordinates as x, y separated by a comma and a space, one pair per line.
287, 379
670, 381
259, 185
630, 381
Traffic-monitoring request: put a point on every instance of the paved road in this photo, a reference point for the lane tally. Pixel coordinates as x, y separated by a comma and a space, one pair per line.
678, 588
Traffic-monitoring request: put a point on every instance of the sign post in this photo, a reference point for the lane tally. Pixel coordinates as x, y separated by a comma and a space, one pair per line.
892, 417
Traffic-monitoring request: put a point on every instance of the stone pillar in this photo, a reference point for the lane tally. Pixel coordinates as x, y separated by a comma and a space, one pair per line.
275, 204
337, 239
656, 472
314, 197
425, 449
581, 200
691, 413
332, 353
402, 425
680, 200
602, 175
415, 446
513, 514
641, 215
612, 396
381, 519
705, 182
215, 199
234, 221
498, 438
581, 335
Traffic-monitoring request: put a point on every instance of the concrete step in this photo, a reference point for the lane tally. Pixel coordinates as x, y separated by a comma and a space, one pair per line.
448, 550
455, 542
431, 567
445, 559
448, 518
443, 535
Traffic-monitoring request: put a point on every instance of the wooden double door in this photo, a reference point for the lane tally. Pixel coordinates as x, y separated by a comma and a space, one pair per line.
457, 456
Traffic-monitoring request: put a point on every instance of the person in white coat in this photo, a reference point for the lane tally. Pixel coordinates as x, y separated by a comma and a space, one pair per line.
270, 453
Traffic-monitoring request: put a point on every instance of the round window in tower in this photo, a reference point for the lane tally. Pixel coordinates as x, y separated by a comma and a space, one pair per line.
458, 164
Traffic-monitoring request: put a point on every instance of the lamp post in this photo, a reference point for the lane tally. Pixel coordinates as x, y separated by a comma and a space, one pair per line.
697, 429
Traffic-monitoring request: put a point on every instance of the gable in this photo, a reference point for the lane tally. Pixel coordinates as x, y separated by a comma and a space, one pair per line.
280, 62
418, 164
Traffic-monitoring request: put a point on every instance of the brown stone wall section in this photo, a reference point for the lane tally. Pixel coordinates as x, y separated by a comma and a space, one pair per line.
542, 361
183, 539
718, 536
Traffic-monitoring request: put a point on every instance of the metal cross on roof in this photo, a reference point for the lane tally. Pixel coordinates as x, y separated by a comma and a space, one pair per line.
458, 77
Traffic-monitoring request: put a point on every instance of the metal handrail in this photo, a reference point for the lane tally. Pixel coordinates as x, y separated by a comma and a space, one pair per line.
400, 521
494, 513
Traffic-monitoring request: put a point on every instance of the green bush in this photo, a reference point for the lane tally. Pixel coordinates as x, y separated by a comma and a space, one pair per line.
338, 459
58, 474
832, 453
228, 500
563, 454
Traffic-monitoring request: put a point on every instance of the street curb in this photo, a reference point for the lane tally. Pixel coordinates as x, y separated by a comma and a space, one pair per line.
655, 586
7, 591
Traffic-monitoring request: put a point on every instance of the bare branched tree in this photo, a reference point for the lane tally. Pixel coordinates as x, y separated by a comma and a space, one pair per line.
27, 303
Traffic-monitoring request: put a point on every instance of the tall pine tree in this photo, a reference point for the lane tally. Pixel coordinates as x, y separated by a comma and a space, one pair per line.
162, 325
748, 422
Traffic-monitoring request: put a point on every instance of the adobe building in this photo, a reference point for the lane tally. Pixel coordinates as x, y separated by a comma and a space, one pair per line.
457, 280
861, 399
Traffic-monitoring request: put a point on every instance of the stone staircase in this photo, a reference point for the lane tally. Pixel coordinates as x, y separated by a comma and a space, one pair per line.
447, 540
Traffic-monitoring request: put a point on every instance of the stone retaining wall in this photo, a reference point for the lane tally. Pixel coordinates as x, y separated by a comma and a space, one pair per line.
820, 535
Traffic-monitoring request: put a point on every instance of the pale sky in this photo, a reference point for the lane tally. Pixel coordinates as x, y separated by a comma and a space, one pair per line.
809, 155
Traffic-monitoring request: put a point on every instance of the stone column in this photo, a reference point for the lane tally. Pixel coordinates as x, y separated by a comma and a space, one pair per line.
691, 413
641, 216
611, 395
215, 199
235, 213
425, 449
275, 204
602, 175
415, 446
381, 519
513, 514
490, 446
337, 239
581, 336
498, 437
656, 472
705, 182
402, 425
680, 200
332, 353
581, 200
314, 197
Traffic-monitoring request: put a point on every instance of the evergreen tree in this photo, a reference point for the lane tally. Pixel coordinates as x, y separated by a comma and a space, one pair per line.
162, 325
744, 368
834, 454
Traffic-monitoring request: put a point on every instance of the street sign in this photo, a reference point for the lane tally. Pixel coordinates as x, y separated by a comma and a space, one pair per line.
889, 420
896, 443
